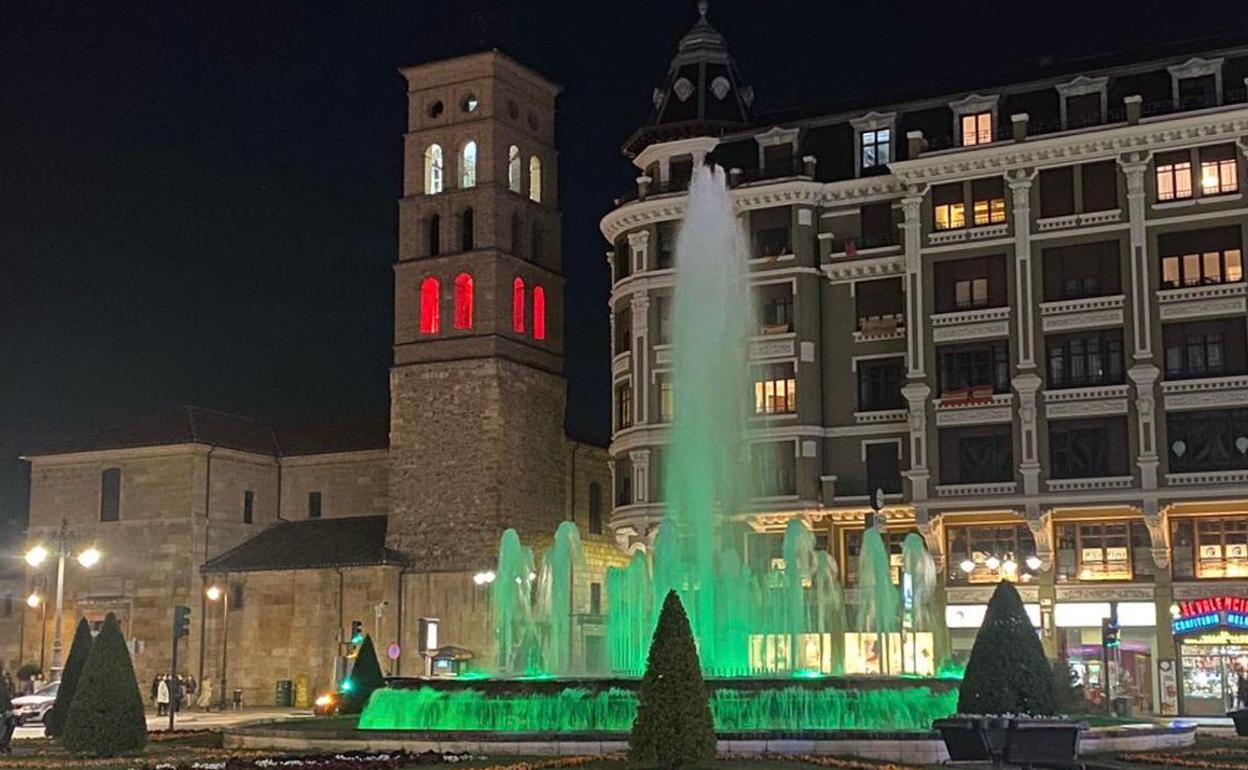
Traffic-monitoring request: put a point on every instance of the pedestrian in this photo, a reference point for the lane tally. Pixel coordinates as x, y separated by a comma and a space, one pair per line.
1241, 691
155, 686
205, 695
191, 687
162, 697
8, 682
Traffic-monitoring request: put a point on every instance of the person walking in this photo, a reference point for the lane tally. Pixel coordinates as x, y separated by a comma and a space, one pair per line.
162, 696
205, 696
155, 687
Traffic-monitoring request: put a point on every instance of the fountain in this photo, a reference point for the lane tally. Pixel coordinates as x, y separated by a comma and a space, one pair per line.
772, 633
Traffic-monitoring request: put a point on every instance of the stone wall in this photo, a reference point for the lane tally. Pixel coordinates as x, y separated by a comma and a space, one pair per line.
350, 483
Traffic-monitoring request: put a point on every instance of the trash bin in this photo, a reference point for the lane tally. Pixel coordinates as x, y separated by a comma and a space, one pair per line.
1122, 706
238, 699
284, 697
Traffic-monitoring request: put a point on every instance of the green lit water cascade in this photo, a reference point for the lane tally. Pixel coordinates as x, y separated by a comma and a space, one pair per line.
771, 627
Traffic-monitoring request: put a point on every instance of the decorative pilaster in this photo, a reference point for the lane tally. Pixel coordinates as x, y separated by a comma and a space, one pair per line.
638, 247
641, 357
1027, 385
929, 529
1134, 166
912, 235
1020, 181
640, 461
916, 394
1039, 522
1145, 378
1158, 532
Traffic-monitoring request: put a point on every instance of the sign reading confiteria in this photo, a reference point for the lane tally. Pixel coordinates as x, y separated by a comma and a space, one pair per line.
1211, 612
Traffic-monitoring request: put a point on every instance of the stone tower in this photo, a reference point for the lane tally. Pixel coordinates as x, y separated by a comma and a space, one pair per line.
477, 390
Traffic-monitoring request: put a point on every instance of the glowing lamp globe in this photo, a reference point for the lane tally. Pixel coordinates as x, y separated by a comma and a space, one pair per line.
36, 556
89, 558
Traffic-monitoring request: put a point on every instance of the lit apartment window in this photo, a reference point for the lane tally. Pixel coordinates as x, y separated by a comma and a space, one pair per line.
970, 293
876, 147
1201, 257
988, 196
949, 207
775, 390
1174, 176
1218, 172
667, 402
977, 129
967, 284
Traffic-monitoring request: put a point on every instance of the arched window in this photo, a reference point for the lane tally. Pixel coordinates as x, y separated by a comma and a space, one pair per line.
513, 169
433, 169
517, 248
466, 239
433, 230
517, 305
539, 313
463, 301
468, 165
535, 179
536, 244
430, 298
595, 508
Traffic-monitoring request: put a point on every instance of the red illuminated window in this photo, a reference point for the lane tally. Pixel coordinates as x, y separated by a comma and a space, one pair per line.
463, 301
430, 297
539, 313
517, 305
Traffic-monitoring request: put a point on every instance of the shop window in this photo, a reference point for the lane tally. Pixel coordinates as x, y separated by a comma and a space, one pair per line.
430, 306
775, 389
984, 554
879, 384
775, 468
1208, 441
853, 553
1174, 175
1093, 551
1084, 360
1210, 548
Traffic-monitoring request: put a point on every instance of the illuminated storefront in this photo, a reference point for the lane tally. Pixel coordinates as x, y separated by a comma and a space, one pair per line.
1212, 636
1129, 672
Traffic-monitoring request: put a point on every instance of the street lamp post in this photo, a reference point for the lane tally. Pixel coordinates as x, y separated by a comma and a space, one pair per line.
62, 546
216, 593
35, 601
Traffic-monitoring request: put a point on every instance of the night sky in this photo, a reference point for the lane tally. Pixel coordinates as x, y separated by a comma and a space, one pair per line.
197, 199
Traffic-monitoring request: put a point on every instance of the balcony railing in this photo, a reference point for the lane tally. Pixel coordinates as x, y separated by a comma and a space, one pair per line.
851, 246
772, 242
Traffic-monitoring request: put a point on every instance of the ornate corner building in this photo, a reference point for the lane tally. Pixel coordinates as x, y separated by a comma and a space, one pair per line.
1018, 310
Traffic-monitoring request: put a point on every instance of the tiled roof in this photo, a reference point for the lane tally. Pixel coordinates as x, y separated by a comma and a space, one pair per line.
197, 425
357, 541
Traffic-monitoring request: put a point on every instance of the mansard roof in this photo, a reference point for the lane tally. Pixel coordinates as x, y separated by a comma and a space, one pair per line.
356, 541
197, 425
703, 94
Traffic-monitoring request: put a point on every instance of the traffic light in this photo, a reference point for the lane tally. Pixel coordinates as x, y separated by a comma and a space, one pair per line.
1110, 633
357, 632
181, 622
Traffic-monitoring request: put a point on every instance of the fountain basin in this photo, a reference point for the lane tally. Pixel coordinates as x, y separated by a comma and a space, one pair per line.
609, 705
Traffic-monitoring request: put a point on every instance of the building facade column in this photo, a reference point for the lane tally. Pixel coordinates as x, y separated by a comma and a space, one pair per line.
1143, 373
641, 357
639, 460
916, 392
1040, 522
1020, 181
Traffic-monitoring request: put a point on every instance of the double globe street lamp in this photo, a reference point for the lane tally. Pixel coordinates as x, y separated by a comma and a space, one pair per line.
62, 547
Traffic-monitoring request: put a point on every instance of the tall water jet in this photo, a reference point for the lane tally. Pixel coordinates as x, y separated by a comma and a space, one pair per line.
830, 607
878, 609
921, 605
560, 562
511, 606
630, 615
798, 549
712, 321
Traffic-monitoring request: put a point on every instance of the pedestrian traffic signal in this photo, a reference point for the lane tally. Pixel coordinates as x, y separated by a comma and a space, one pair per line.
181, 622
1111, 633
357, 632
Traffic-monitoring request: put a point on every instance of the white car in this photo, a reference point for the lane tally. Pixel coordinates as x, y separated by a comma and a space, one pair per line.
33, 707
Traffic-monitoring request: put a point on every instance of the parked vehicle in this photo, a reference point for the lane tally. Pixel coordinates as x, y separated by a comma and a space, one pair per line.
34, 707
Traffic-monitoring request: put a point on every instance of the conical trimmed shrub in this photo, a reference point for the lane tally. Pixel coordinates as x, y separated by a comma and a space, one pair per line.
674, 727
106, 716
80, 649
1008, 672
365, 677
